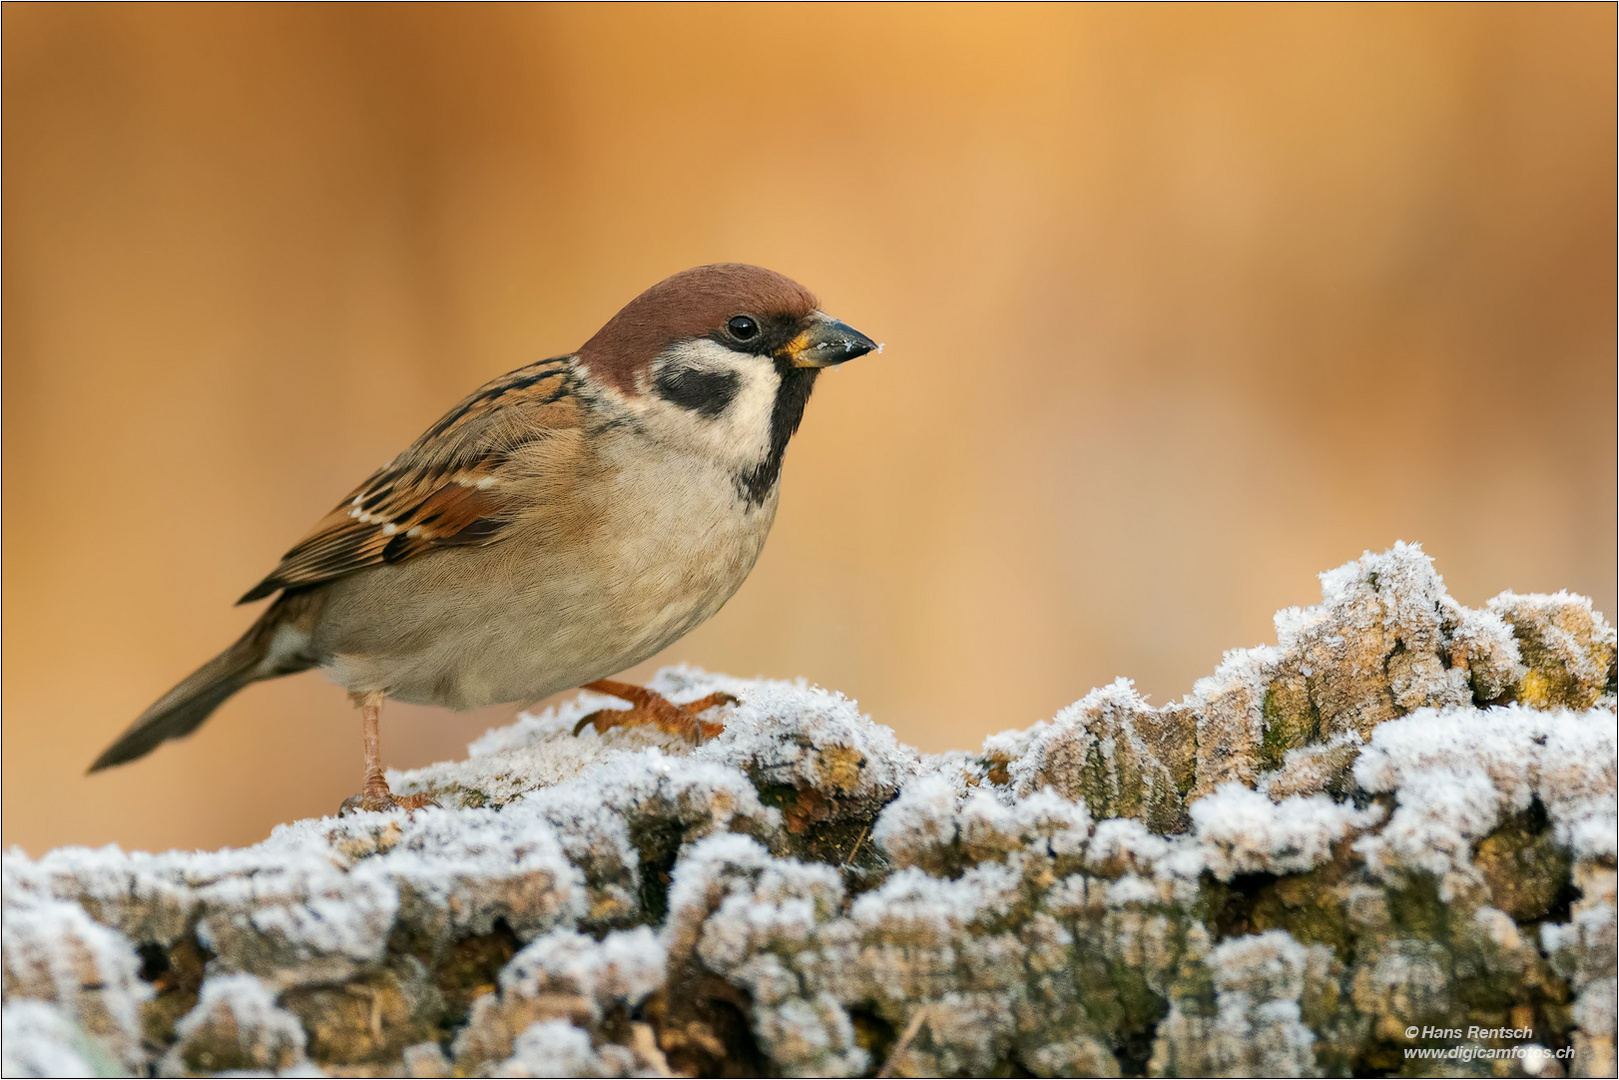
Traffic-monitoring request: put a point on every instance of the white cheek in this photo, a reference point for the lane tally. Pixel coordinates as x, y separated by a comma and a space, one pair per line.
745, 424
739, 436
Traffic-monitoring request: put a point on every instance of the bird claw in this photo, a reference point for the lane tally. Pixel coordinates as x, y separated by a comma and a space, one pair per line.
653, 708
382, 801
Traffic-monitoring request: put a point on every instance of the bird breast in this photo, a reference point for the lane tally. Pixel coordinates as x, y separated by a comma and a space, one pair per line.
593, 579
677, 541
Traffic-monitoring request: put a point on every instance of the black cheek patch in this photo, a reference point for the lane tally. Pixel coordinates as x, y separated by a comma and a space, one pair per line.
706, 393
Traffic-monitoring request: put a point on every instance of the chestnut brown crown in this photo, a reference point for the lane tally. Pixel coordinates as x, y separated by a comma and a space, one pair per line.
693, 303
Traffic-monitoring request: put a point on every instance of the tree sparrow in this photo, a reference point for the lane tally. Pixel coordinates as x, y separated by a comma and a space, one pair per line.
564, 522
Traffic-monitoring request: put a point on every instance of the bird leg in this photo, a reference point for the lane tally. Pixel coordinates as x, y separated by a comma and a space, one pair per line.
375, 795
651, 707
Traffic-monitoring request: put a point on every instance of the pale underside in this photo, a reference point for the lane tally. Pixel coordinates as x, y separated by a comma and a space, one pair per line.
627, 531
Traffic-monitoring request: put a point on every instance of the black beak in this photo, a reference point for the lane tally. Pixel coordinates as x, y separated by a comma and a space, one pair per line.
826, 342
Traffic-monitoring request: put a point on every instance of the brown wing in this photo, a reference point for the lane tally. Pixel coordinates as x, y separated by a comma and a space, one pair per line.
446, 489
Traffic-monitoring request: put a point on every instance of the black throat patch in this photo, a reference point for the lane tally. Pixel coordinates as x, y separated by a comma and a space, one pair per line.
792, 395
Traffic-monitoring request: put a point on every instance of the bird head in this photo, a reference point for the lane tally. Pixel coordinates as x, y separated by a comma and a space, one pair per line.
720, 361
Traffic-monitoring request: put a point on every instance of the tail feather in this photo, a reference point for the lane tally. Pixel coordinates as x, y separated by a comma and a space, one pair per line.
182, 710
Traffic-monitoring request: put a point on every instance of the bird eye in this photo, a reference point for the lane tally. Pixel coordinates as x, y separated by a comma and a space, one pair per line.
742, 327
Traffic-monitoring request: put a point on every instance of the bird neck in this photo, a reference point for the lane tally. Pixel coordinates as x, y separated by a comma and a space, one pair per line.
792, 395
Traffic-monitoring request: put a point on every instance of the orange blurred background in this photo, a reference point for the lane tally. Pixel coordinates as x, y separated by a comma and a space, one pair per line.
1182, 305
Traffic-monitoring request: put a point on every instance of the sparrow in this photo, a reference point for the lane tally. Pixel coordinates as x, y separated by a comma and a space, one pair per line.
562, 523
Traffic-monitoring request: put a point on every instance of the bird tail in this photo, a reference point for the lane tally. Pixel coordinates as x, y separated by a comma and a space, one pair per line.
261, 653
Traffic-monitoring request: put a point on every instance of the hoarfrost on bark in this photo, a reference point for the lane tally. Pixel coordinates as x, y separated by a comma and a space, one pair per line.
1399, 817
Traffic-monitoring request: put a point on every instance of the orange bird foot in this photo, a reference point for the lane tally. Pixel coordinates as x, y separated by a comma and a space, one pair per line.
651, 707
375, 795
383, 800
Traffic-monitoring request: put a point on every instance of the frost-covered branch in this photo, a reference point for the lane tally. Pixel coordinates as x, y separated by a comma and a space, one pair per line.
1399, 818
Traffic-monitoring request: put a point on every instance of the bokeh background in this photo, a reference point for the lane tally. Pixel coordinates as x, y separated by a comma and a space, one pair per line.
1182, 306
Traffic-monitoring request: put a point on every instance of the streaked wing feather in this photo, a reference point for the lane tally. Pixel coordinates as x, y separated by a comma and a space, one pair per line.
444, 490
